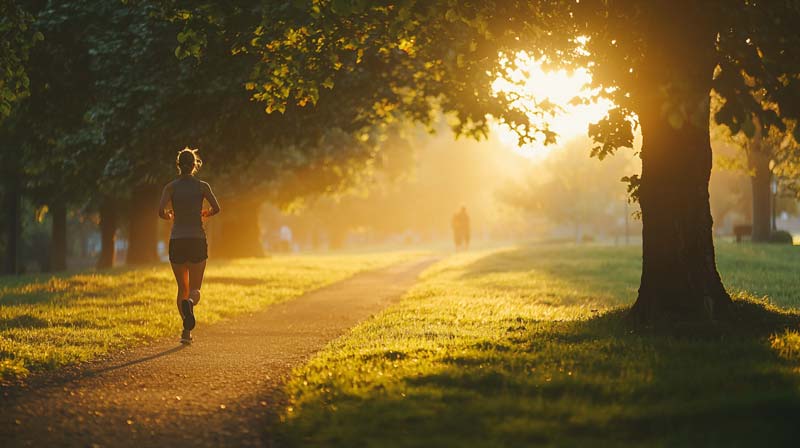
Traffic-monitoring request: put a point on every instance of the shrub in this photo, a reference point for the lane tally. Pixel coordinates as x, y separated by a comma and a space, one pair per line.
781, 237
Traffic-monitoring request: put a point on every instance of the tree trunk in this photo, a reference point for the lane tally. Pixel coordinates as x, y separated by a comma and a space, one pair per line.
12, 210
679, 274
58, 243
758, 159
108, 234
143, 228
240, 233
337, 235
761, 181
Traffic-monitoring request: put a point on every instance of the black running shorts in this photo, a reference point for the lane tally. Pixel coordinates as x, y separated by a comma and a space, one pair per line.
187, 250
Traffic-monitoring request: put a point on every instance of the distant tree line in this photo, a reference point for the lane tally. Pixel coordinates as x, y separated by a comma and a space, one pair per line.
99, 95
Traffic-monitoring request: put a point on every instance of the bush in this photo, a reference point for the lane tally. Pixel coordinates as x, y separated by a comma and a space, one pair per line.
781, 237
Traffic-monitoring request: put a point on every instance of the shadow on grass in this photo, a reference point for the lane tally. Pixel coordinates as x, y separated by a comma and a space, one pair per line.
23, 321
29, 291
28, 298
52, 290
595, 383
590, 382
27, 321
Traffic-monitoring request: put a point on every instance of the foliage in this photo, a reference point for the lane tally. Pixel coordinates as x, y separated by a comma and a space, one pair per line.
390, 51
49, 322
558, 189
776, 144
17, 40
40, 135
356, 66
526, 346
786, 161
417, 56
111, 101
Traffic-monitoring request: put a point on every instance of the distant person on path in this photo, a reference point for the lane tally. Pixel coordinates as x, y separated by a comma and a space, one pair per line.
188, 250
460, 224
285, 236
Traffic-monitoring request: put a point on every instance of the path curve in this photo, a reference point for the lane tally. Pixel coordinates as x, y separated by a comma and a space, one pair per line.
220, 391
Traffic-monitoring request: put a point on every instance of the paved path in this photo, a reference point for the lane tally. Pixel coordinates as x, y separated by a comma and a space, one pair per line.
221, 391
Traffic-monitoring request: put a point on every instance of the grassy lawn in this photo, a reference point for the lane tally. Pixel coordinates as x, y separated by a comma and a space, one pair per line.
49, 322
528, 347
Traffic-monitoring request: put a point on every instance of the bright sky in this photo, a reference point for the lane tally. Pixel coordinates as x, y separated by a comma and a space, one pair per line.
559, 87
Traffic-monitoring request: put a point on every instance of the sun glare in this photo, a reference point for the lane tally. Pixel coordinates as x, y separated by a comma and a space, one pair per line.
534, 85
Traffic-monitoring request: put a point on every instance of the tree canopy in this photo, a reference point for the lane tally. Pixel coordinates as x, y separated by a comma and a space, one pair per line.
446, 54
103, 103
18, 38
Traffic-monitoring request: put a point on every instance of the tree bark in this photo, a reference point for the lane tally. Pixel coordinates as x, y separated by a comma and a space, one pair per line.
12, 210
679, 274
108, 234
58, 242
761, 182
240, 232
143, 228
761, 179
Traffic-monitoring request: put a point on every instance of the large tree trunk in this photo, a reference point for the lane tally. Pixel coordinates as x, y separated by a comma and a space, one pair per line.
58, 243
240, 233
143, 229
760, 180
679, 274
12, 210
108, 234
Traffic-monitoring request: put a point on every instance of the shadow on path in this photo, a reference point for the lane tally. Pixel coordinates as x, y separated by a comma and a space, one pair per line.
134, 361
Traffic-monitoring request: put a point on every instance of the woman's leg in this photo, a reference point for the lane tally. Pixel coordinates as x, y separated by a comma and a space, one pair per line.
196, 271
181, 272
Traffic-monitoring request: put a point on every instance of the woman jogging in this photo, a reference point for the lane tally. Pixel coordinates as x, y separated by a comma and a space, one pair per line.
188, 250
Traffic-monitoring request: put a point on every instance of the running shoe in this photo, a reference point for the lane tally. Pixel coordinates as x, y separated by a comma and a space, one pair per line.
186, 337
188, 315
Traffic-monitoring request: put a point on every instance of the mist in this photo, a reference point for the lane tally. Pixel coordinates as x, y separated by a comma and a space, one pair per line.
510, 194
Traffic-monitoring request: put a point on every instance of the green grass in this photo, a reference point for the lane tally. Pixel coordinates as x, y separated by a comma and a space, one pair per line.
528, 347
49, 322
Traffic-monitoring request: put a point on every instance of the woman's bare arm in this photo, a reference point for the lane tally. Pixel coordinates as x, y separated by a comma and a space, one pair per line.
166, 198
209, 195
